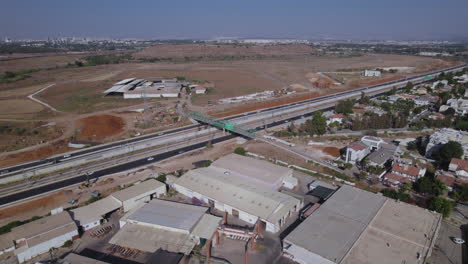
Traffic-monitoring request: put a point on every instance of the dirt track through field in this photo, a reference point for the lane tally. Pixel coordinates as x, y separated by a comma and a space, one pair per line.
31, 96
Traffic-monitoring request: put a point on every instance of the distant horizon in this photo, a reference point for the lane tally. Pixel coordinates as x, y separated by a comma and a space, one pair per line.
452, 40
364, 20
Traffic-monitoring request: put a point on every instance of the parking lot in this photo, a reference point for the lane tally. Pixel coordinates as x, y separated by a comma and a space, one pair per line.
445, 250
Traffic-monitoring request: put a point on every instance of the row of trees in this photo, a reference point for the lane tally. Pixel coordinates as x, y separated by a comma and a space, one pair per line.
374, 121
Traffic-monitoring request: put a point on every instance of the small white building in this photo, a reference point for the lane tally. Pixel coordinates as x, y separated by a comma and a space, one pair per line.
335, 118
137, 194
200, 90
369, 73
37, 237
372, 142
356, 152
92, 215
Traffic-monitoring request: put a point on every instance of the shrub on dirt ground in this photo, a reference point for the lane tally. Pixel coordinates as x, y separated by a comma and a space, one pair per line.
68, 243
240, 151
162, 178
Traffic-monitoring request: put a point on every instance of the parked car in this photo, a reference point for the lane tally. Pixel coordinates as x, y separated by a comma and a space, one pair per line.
458, 240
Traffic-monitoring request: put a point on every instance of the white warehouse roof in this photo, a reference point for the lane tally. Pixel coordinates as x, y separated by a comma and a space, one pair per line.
136, 190
96, 210
231, 189
254, 170
167, 214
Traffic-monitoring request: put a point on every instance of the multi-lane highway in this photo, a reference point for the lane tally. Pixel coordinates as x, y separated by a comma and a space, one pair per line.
282, 113
4, 172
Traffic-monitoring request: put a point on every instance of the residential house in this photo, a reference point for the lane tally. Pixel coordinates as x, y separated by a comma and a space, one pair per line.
395, 180
408, 171
335, 118
356, 152
425, 100
460, 167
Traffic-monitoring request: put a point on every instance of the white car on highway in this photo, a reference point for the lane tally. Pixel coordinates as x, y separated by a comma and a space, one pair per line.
150, 159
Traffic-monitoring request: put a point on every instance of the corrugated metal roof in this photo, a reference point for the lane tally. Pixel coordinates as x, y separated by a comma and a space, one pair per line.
146, 187
334, 227
258, 171
207, 226
95, 211
150, 239
233, 190
124, 81
43, 225
168, 214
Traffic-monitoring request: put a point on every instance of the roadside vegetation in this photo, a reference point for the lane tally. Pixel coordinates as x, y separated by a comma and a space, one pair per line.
10, 76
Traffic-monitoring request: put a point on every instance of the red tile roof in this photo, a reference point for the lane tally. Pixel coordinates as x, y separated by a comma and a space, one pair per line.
461, 164
395, 177
357, 146
337, 116
447, 180
406, 169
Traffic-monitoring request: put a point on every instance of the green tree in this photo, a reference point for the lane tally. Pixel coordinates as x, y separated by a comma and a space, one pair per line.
162, 178
240, 151
9, 75
429, 185
448, 151
440, 205
413, 145
461, 194
317, 125
345, 106
364, 99
409, 86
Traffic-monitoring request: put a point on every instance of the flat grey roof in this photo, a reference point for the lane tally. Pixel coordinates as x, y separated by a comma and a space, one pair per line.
333, 228
206, 226
168, 214
146, 187
356, 226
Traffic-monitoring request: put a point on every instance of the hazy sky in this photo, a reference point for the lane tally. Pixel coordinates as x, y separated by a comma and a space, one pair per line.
357, 19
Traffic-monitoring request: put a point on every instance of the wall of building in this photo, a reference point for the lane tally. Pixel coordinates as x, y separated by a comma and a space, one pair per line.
144, 197
91, 225
303, 256
150, 95
44, 247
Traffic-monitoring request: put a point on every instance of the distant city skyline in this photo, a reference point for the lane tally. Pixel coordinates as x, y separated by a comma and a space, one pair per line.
298, 19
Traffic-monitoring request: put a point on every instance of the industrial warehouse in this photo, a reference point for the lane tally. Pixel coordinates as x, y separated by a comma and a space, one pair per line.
356, 226
92, 215
139, 88
248, 191
167, 225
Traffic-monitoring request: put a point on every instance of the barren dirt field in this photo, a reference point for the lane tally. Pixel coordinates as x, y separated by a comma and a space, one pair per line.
99, 127
221, 50
77, 92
